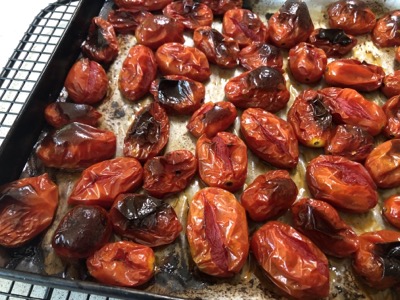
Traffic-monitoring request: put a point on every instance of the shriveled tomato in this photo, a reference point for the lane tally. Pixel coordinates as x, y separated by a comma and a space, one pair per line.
353, 16
76, 146
269, 195
59, 114
335, 42
261, 55
386, 32
392, 112
391, 84
307, 63
217, 232
291, 261
138, 70
82, 231
219, 49
27, 208
169, 174
148, 133
311, 119
101, 44
270, 137
222, 160
149, 5
220, 7
391, 210
126, 20
177, 59
122, 263
101, 183
145, 220
343, 183
211, 118
321, 223
263, 87
290, 25
86, 82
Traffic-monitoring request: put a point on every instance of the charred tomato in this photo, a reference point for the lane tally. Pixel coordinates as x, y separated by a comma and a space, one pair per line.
392, 112
126, 20
391, 210
261, 55
391, 84
335, 42
386, 32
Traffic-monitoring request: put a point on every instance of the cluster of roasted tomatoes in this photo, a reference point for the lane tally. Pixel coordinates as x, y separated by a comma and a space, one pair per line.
338, 118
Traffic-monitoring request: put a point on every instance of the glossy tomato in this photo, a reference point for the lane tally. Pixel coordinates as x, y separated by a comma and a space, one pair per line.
149, 5
391, 84
398, 54
126, 20
261, 55
220, 7
392, 112
335, 42
386, 33
391, 210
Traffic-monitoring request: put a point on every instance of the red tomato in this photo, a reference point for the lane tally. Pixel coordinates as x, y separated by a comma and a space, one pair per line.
335, 42
149, 5
392, 112
391, 210
386, 33
220, 7
126, 20
261, 55
398, 54
391, 84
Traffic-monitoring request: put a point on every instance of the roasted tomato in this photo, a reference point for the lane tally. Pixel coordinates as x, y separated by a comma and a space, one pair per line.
269, 195
138, 70
86, 82
82, 231
148, 133
126, 20
244, 26
145, 220
290, 25
220, 7
76, 146
307, 63
342, 183
353, 16
354, 74
59, 114
219, 49
149, 5
320, 222
377, 260
101, 43
383, 163
386, 33
335, 42
169, 174
212, 118
291, 261
222, 161
263, 87
190, 13
311, 119
391, 84
270, 137
392, 112
349, 107
27, 207
178, 94
122, 263
177, 59
261, 55
101, 183
217, 232
350, 141
398, 54
391, 210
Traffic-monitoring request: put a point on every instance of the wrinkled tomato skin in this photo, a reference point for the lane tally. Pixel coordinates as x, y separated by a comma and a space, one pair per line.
101, 183
269, 195
211, 118
82, 231
220, 7
138, 71
27, 208
334, 42
59, 114
190, 13
351, 142
125, 21
219, 49
369, 265
310, 119
86, 82
178, 94
76, 146
307, 63
392, 112
177, 59
217, 232
149, 5
353, 16
271, 138
321, 223
101, 44
122, 263
145, 220
351, 73
347, 106
290, 25
261, 55
383, 163
291, 261
343, 183
386, 33
391, 210
263, 87
148, 133
391, 84
222, 161
169, 174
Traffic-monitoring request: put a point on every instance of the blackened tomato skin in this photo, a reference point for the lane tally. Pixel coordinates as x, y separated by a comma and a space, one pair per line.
334, 42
